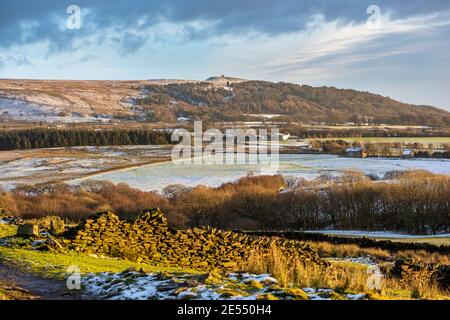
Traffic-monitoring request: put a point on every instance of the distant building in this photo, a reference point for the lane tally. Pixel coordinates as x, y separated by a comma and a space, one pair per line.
355, 152
183, 119
283, 136
408, 153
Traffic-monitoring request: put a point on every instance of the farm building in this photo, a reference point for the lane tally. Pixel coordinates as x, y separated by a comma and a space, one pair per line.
283, 136
355, 152
408, 153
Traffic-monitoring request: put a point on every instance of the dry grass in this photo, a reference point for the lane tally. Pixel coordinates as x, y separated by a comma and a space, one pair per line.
85, 97
415, 288
343, 277
327, 249
424, 256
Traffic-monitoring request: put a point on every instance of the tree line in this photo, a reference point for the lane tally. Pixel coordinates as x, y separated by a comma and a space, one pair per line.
417, 203
298, 103
53, 138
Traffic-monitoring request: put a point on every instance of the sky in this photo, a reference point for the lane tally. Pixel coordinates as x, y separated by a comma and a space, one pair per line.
395, 48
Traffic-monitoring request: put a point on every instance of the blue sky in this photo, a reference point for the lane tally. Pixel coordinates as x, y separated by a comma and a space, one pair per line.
403, 52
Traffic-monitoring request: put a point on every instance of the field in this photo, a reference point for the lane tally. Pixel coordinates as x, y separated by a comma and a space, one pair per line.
63, 164
435, 240
424, 140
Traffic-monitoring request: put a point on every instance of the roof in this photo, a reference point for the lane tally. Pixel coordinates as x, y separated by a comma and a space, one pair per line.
354, 149
283, 134
407, 152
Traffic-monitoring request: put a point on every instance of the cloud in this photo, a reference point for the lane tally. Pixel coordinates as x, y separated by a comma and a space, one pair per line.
345, 44
27, 21
12, 61
308, 41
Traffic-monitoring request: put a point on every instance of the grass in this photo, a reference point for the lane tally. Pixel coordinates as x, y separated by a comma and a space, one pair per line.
438, 241
55, 265
425, 140
435, 240
10, 292
431, 240
346, 276
342, 277
7, 230
327, 249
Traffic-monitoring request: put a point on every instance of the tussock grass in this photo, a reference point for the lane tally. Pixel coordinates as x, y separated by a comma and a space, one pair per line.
424, 256
327, 249
343, 277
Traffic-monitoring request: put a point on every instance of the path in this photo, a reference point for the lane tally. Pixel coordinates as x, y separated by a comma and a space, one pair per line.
22, 285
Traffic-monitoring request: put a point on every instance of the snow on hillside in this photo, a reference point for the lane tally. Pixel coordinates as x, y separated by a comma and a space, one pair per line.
22, 110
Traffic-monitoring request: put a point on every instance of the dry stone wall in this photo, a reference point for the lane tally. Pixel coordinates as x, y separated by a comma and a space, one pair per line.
393, 246
413, 271
150, 239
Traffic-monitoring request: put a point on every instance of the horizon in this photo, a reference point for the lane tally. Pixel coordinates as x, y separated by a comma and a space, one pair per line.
388, 48
200, 80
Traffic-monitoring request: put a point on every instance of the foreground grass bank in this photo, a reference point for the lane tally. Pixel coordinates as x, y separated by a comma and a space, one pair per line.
344, 280
56, 264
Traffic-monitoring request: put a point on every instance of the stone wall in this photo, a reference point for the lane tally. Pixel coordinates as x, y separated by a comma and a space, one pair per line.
149, 239
413, 271
362, 242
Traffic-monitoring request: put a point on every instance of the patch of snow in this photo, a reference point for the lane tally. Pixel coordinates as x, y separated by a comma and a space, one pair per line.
367, 260
16, 108
356, 296
264, 115
376, 234
249, 277
318, 294
140, 286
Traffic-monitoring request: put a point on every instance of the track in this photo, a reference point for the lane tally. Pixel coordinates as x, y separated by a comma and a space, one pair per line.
20, 285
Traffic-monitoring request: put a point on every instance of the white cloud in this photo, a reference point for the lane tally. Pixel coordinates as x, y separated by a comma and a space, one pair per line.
328, 47
331, 52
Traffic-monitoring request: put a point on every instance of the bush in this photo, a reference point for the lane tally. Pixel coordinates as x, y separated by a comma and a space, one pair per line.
416, 203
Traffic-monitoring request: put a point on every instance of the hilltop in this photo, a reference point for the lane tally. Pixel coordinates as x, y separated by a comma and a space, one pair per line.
215, 99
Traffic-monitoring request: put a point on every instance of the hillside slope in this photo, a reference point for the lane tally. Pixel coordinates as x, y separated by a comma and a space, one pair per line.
215, 99
300, 103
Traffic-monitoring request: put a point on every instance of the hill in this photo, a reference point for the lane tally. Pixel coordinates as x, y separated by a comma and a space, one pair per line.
296, 102
215, 99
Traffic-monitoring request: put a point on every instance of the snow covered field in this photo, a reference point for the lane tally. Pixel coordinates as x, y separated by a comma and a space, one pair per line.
38, 166
130, 165
158, 176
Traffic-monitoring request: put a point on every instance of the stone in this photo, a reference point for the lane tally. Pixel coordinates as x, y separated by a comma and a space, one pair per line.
296, 294
53, 224
8, 218
149, 239
28, 230
254, 285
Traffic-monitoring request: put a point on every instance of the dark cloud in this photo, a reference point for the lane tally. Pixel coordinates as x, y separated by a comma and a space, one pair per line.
232, 16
